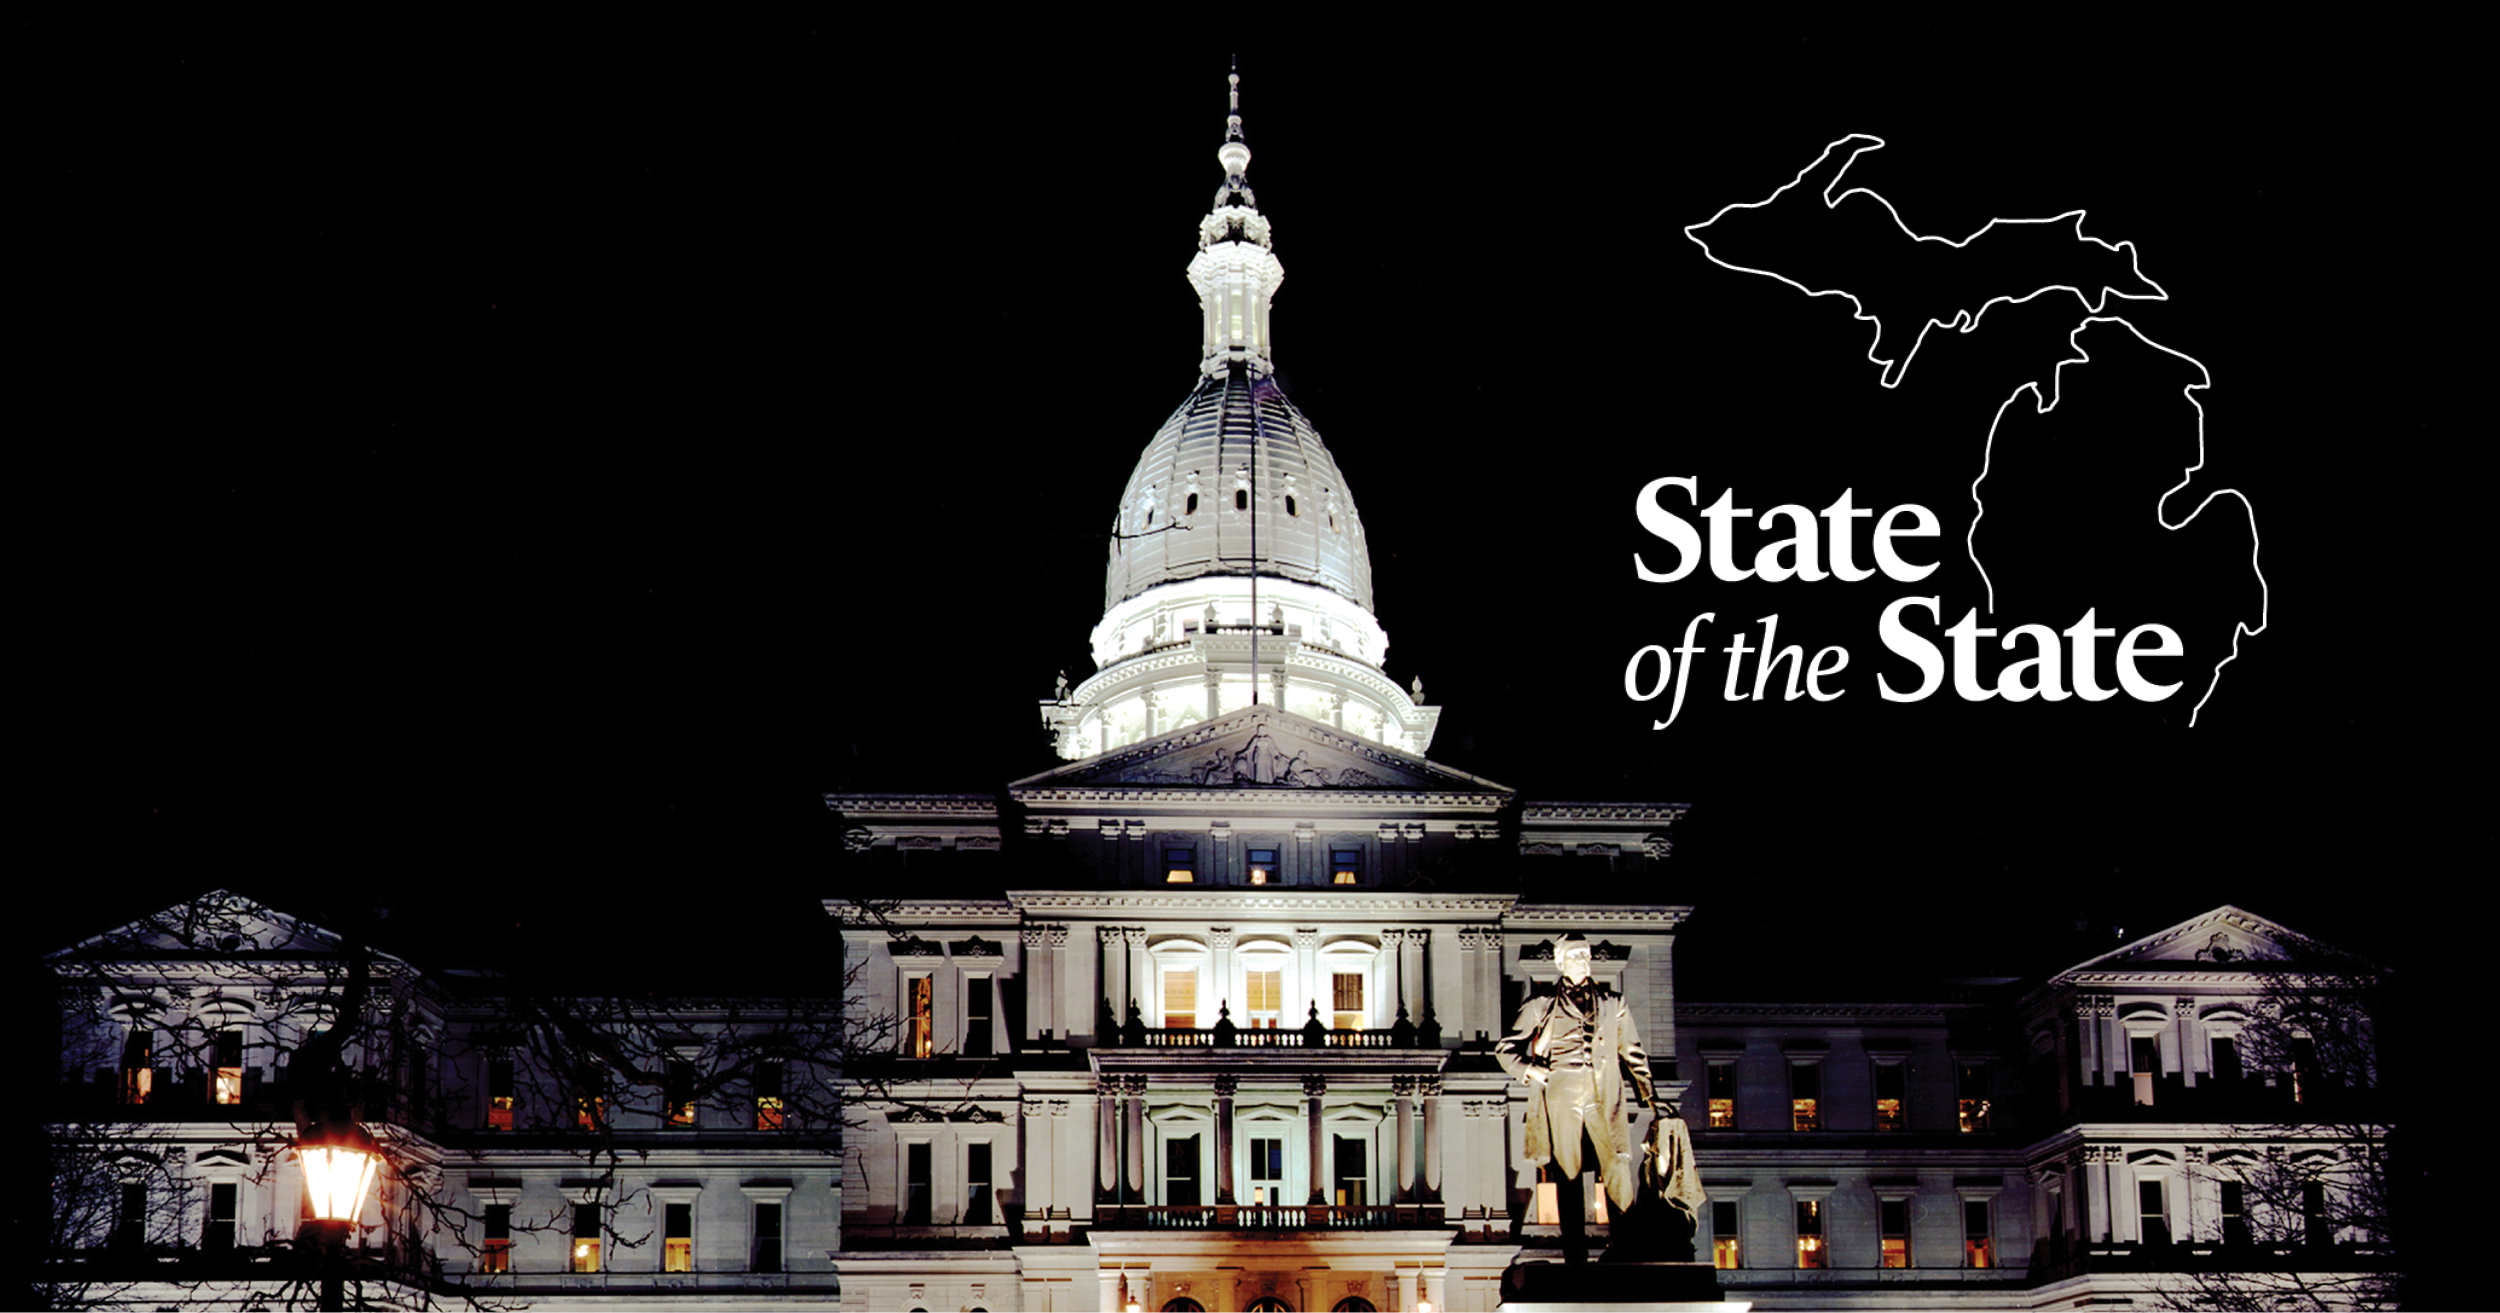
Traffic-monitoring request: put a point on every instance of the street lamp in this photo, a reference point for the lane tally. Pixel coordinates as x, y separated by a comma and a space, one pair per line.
340, 1163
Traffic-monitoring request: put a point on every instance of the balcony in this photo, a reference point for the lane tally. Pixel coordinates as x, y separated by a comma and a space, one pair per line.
1228, 1037
1269, 1217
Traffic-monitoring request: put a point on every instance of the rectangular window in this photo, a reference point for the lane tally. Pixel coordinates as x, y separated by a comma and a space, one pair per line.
221, 1209
1263, 867
1890, 1082
1353, 1174
677, 1245
2305, 1083
1726, 1244
767, 1257
2144, 1061
1805, 1096
226, 1082
495, 1252
1896, 1223
920, 1005
590, 1112
1973, 1105
1180, 999
680, 1092
2226, 1059
2234, 1213
138, 1065
2315, 1226
977, 1039
977, 1184
1979, 1248
1264, 993
1723, 1095
585, 1237
499, 1099
1345, 866
1180, 1171
1180, 866
1348, 994
130, 1219
916, 1184
2154, 1211
1810, 1251
768, 1105
1267, 1170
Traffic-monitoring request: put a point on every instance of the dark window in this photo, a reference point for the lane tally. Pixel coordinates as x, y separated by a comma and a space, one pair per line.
2234, 1213
1290, 507
138, 1075
2155, 1212
1726, 1245
680, 1092
499, 1100
1353, 1175
1810, 1252
2305, 1083
1241, 499
768, 1237
1896, 1224
1192, 507
977, 1185
1889, 1083
1805, 1096
585, 1237
2226, 1059
1978, 1244
495, 1254
977, 1042
2144, 1061
677, 1244
1180, 1171
916, 1185
130, 1220
221, 1201
1267, 1170
2317, 1229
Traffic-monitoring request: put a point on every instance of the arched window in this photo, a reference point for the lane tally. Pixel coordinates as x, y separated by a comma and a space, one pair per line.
1241, 499
1354, 1304
1271, 1304
1183, 1304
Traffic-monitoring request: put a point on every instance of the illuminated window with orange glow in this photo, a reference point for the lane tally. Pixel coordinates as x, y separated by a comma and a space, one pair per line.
1348, 992
499, 1099
680, 1100
1263, 995
1979, 1248
495, 1253
1890, 1081
1180, 866
1345, 866
1805, 1096
1810, 1251
1726, 1246
1180, 999
1896, 1224
226, 1080
768, 1106
138, 1065
677, 1246
1263, 866
1723, 1095
585, 1237
1973, 1104
590, 1112
920, 1031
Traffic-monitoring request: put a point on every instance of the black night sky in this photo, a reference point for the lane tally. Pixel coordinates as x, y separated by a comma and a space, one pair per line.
508, 477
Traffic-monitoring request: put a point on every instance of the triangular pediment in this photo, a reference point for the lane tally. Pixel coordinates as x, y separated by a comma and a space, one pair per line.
1258, 748
214, 924
2226, 938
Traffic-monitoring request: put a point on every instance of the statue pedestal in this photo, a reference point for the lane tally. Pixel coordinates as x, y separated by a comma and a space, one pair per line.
1533, 1285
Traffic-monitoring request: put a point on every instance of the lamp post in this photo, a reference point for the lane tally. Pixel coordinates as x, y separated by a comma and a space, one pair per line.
340, 1162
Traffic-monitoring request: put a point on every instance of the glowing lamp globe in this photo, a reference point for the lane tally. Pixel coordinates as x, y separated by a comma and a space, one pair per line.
337, 1177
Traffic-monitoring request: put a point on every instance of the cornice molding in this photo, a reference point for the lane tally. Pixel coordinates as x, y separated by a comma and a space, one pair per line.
1236, 901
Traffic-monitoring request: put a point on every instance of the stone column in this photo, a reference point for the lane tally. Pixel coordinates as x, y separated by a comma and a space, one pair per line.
1435, 1284
1055, 1011
1041, 1159
1036, 981
1226, 1086
1142, 982
1306, 966
1315, 1089
1107, 1143
1430, 1088
1134, 1088
1402, 1185
1114, 977
1393, 955
1412, 971
1110, 1290
2186, 1010
1221, 937
1496, 1150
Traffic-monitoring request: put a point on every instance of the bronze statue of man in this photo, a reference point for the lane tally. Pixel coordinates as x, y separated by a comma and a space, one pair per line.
1577, 1048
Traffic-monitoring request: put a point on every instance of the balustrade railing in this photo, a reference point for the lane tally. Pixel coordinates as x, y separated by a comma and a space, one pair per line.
1267, 1217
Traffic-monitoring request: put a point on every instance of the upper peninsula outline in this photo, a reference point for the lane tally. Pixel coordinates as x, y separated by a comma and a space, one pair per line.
1826, 240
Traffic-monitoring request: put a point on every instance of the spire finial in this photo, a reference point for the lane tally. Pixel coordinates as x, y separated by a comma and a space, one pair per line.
1232, 120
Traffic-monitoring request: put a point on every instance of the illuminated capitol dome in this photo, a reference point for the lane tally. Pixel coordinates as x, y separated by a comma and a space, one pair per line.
1238, 570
